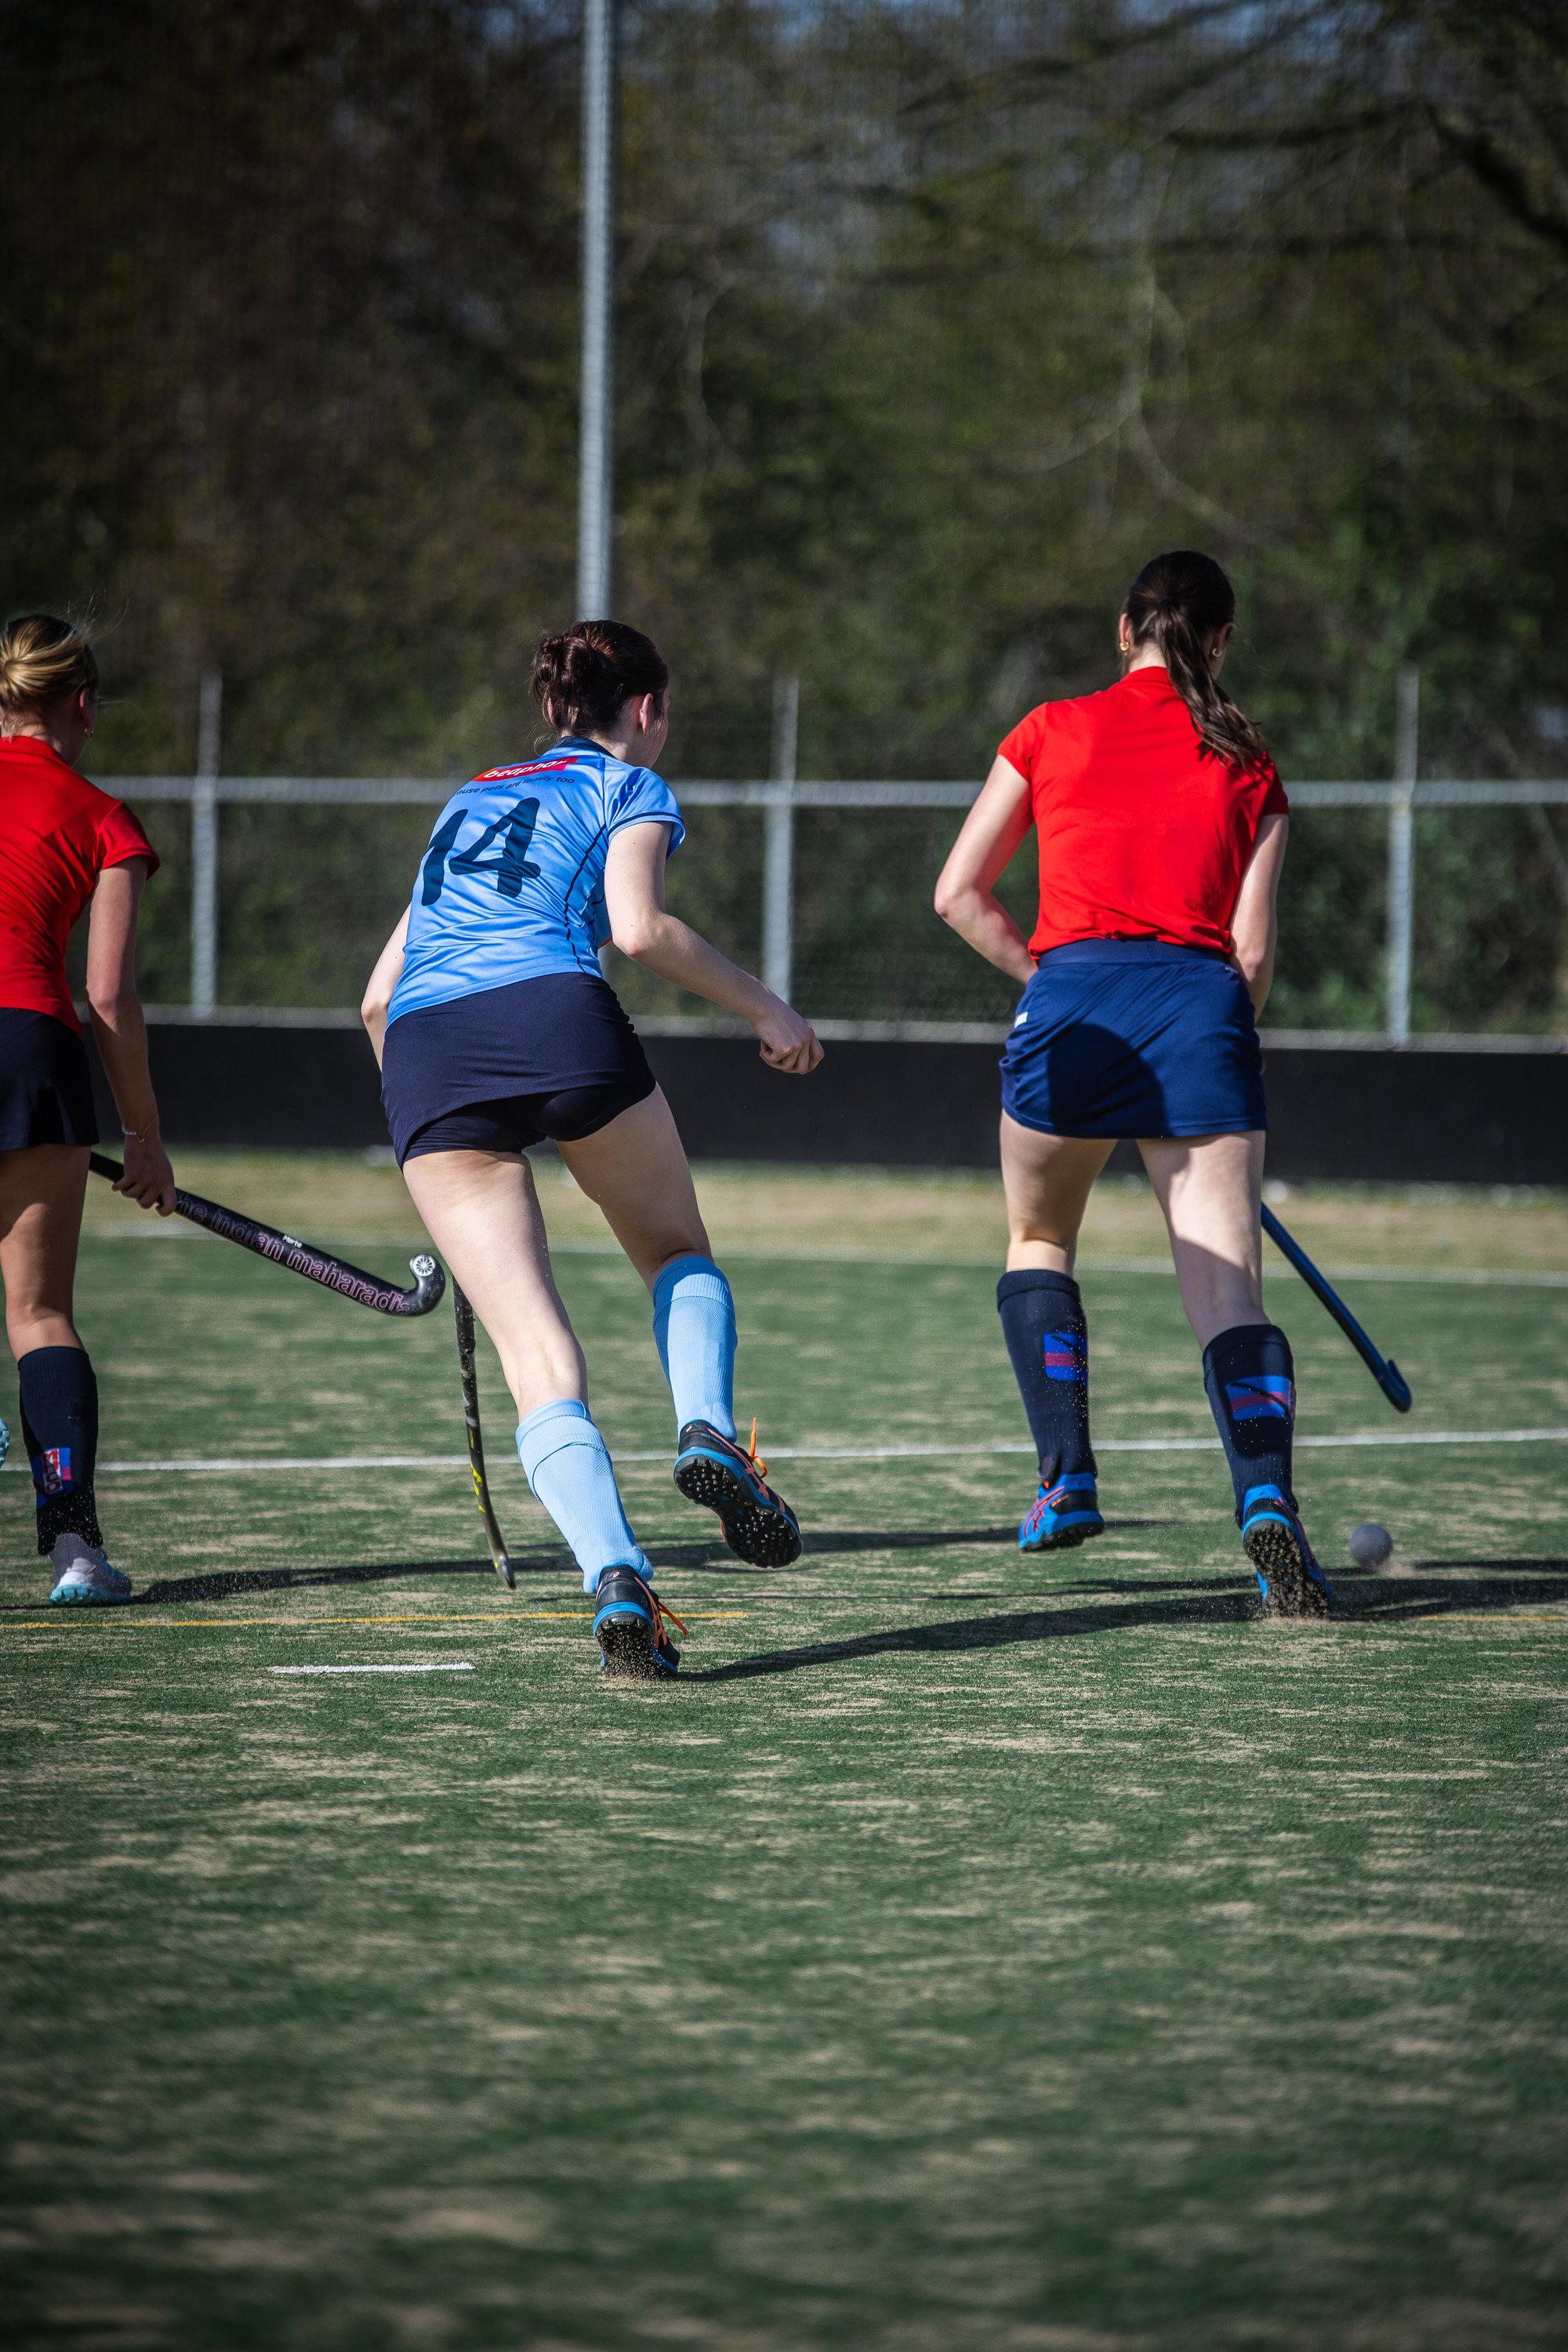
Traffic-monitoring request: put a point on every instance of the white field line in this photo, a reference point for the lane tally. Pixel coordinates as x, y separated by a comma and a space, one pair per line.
447, 1666
1091, 1264
218, 1465
1466, 1278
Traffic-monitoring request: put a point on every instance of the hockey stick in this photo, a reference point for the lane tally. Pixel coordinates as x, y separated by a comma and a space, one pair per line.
1384, 1368
299, 1258
499, 1561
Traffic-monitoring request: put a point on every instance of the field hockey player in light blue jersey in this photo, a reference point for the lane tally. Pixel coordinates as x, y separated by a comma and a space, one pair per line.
495, 1030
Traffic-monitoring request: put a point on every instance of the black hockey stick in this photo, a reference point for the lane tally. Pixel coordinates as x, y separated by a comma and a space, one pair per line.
499, 1561
1384, 1368
299, 1258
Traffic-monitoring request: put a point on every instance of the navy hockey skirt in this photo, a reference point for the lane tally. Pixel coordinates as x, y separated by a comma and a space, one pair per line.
506, 1069
1134, 1037
46, 1093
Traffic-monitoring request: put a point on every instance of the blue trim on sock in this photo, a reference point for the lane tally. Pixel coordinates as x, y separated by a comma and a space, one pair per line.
693, 1294
567, 1464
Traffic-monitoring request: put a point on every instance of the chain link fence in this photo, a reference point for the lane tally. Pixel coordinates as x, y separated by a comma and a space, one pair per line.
309, 875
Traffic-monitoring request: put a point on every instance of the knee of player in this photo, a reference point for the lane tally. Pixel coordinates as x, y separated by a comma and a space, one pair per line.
671, 1248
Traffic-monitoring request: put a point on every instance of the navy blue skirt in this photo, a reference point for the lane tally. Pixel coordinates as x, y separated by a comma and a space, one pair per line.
46, 1092
1134, 1037
504, 1069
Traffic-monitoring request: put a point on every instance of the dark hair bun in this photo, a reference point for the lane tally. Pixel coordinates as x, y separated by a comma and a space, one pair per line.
583, 681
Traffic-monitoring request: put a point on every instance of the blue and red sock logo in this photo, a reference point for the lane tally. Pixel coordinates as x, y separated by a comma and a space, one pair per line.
1267, 1396
1065, 1355
52, 1471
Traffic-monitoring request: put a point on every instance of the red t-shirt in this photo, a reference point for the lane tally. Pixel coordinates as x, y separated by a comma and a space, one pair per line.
1142, 834
58, 832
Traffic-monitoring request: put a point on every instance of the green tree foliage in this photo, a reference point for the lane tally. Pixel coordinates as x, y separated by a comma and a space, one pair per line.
936, 320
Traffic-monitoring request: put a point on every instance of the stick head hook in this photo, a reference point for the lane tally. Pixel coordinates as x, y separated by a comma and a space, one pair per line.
429, 1285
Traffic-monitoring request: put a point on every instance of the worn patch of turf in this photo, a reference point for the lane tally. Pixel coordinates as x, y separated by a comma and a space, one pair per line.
974, 1952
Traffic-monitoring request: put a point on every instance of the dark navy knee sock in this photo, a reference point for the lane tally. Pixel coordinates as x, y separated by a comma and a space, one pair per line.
59, 1428
1251, 1383
1047, 1339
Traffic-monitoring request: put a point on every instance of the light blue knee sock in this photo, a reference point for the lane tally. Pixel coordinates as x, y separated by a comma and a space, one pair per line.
694, 1331
567, 1464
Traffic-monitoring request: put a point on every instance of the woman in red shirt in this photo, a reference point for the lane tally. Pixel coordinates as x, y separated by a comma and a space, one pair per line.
1161, 826
67, 847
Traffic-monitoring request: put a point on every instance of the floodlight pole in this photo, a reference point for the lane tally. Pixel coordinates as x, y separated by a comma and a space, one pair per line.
204, 846
596, 454
1402, 857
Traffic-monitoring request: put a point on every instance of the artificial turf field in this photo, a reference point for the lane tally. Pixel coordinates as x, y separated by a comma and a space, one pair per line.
974, 1952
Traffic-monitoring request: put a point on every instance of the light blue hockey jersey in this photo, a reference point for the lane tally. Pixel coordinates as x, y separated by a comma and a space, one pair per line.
512, 885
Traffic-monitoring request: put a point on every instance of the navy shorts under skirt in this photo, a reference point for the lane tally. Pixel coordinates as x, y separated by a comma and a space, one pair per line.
1134, 1037
502, 1070
46, 1093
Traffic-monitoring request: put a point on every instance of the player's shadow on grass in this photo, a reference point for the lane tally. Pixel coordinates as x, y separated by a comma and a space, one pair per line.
986, 1633
854, 1539
235, 1583
1451, 1588
701, 1557
1230, 1599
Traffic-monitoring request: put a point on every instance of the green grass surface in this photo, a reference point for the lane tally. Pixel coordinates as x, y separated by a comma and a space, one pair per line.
975, 1952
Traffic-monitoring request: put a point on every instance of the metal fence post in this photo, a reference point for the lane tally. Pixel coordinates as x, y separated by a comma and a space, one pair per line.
203, 845
596, 449
1401, 857
778, 843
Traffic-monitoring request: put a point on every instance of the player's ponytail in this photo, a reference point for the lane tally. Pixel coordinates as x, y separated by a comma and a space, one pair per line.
42, 658
582, 681
1175, 604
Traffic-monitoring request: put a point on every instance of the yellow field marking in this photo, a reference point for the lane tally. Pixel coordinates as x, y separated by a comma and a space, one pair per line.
1495, 1617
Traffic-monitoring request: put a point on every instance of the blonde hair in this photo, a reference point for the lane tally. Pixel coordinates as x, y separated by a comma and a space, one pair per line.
42, 658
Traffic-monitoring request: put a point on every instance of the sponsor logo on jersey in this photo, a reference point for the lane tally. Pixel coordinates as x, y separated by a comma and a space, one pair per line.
531, 768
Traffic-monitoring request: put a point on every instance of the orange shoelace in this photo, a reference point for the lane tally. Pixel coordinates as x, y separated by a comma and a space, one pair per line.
660, 1612
760, 1467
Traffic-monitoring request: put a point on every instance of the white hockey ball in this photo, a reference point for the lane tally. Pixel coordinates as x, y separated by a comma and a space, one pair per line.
1370, 1546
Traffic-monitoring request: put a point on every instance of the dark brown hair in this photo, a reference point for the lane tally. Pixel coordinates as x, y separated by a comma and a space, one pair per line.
583, 681
42, 658
1175, 604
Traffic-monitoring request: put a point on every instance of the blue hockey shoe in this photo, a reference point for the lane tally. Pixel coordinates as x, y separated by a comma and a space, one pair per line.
1063, 1514
84, 1577
1288, 1578
759, 1525
629, 1625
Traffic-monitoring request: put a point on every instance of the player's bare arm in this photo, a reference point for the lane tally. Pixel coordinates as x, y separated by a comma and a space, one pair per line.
1255, 924
661, 942
989, 840
119, 1032
378, 999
